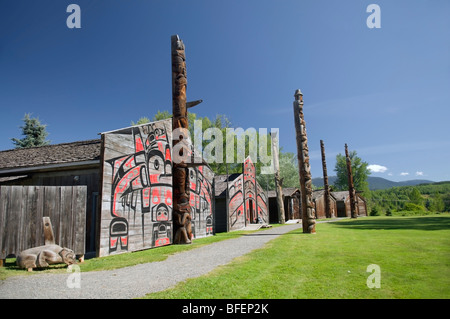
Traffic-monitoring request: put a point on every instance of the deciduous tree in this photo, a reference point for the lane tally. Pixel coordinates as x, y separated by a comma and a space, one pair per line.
360, 172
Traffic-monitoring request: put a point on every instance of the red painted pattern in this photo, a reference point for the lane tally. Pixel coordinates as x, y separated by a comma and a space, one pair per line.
124, 184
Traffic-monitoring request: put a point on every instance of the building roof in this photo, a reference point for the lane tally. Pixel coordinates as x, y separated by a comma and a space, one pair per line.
287, 192
320, 192
220, 183
36, 157
342, 195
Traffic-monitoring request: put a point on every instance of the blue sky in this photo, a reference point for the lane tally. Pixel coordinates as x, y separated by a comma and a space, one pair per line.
385, 92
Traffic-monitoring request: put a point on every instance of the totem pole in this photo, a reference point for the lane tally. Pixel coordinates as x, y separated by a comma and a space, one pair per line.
278, 180
308, 213
326, 187
180, 176
351, 188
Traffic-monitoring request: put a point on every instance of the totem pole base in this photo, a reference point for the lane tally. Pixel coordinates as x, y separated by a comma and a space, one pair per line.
309, 227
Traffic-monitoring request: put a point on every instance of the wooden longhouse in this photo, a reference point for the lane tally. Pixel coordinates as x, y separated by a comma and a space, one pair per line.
137, 197
291, 200
66, 164
127, 176
318, 197
343, 204
239, 200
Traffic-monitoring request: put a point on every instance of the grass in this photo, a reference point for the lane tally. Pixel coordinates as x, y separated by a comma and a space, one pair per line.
413, 254
121, 260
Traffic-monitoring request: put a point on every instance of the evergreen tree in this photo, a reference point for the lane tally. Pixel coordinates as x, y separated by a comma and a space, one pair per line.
34, 132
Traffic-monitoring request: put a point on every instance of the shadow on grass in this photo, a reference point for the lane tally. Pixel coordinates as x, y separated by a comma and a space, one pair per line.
11, 269
418, 223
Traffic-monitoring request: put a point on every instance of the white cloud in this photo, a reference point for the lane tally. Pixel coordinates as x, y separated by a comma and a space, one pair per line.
377, 168
404, 173
419, 173
390, 174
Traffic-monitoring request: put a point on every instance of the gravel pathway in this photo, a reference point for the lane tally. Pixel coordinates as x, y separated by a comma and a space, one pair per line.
136, 281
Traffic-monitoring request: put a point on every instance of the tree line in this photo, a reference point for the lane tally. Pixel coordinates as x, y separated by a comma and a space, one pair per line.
419, 199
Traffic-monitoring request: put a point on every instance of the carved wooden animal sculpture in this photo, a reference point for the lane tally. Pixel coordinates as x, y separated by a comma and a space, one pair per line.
43, 256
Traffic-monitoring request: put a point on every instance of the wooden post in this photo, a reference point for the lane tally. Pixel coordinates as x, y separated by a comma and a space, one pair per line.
180, 176
228, 199
351, 188
325, 182
279, 190
49, 238
308, 213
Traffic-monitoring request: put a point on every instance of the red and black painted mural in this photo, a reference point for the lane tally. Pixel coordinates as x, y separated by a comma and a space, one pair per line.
201, 200
137, 188
247, 200
249, 173
262, 204
236, 204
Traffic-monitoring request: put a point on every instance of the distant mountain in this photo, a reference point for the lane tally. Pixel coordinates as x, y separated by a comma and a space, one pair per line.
374, 182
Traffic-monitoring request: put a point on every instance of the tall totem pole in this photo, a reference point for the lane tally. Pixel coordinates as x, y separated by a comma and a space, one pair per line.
180, 176
326, 187
351, 188
307, 206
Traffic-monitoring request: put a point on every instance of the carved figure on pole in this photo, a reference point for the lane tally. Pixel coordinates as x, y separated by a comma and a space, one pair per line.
351, 188
326, 186
307, 205
181, 193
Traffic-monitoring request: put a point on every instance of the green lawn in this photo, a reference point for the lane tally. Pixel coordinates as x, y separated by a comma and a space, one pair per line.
413, 254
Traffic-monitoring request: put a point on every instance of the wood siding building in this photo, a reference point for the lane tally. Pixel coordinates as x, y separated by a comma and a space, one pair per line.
128, 179
66, 164
24, 208
291, 200
319, 204
240, 200
343, 204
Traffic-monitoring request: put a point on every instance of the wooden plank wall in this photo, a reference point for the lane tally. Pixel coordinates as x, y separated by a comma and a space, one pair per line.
319, 206
248, 202
22, 209
262, 203
236, 204
78, 176
201, 200
362, 207
136, 204
294, 206
343, 208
